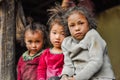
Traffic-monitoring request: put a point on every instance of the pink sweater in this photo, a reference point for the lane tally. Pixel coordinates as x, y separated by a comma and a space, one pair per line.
50, 65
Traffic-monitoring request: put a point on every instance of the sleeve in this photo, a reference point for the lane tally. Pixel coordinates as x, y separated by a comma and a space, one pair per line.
68, 67
19, 69
96, 46
41, 70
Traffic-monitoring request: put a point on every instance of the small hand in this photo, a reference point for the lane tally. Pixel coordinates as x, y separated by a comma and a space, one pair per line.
71, 78
64, 77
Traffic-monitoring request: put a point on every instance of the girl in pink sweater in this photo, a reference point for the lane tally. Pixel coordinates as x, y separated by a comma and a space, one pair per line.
52, 59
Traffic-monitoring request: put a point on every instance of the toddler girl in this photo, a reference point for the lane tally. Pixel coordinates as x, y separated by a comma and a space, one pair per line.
35, 38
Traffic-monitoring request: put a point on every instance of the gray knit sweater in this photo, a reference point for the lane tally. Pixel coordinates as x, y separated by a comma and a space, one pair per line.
87, 59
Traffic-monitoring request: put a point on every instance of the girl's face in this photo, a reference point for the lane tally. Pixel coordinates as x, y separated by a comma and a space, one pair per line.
57, 34
34, 41
78, 25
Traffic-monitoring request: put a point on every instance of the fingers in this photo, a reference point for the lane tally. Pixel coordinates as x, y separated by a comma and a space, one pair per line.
64, 78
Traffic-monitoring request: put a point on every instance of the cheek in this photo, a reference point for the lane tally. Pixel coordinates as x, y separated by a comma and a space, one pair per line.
86, 29
40, 45
71, 30
51, 37
28, 47
62, 39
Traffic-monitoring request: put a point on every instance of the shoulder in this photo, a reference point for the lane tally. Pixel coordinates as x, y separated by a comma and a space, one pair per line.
20, 61
67, 41
93, 34
46, 51
26, 52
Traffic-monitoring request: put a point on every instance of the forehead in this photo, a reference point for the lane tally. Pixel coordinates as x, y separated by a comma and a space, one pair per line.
57, 27
76, 15
33, 32
56, 22
77, 12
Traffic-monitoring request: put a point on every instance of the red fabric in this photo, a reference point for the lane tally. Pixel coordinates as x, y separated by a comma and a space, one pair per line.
50, 65
27, 70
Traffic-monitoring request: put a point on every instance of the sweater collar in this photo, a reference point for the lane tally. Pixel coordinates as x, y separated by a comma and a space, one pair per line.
75, 40
27, 57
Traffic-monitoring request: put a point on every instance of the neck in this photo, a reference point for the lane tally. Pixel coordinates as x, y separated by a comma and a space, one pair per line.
56, 50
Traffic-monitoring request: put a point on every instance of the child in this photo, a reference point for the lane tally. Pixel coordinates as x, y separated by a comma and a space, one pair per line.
85, 52
52, 59
35, 38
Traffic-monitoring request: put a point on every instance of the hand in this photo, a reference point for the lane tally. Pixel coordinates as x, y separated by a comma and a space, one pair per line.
71, 78
64, 77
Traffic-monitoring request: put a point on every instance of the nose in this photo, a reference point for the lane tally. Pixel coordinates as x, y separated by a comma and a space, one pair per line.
77, 28
57, 36
33, 45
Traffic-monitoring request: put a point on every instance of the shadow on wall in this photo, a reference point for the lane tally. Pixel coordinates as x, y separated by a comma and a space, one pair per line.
109, 27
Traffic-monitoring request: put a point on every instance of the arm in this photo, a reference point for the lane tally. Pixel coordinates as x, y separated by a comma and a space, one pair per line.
41, 70
19, 69
68, 67
96, 46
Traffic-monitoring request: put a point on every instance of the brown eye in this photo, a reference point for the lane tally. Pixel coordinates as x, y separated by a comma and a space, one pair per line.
79, 22
62, 33
72, 25
37, 41
29, 41
54, 32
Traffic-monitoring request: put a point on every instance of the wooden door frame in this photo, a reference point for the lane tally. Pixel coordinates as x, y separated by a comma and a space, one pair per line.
7, 40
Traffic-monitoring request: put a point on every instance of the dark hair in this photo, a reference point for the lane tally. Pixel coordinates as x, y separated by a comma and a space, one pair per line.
56, 14
84, 11
33, 27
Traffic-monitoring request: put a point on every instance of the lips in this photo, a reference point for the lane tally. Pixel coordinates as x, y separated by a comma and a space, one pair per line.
34, 50
57, 42
78, 34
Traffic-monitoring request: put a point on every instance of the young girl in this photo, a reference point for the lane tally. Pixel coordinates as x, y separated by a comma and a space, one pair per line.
52, 59
85, 51
35, 38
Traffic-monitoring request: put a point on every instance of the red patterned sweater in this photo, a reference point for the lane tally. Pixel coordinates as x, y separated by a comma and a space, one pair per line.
27, 67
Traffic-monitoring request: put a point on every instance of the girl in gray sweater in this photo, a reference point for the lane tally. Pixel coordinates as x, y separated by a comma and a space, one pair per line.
85, 51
